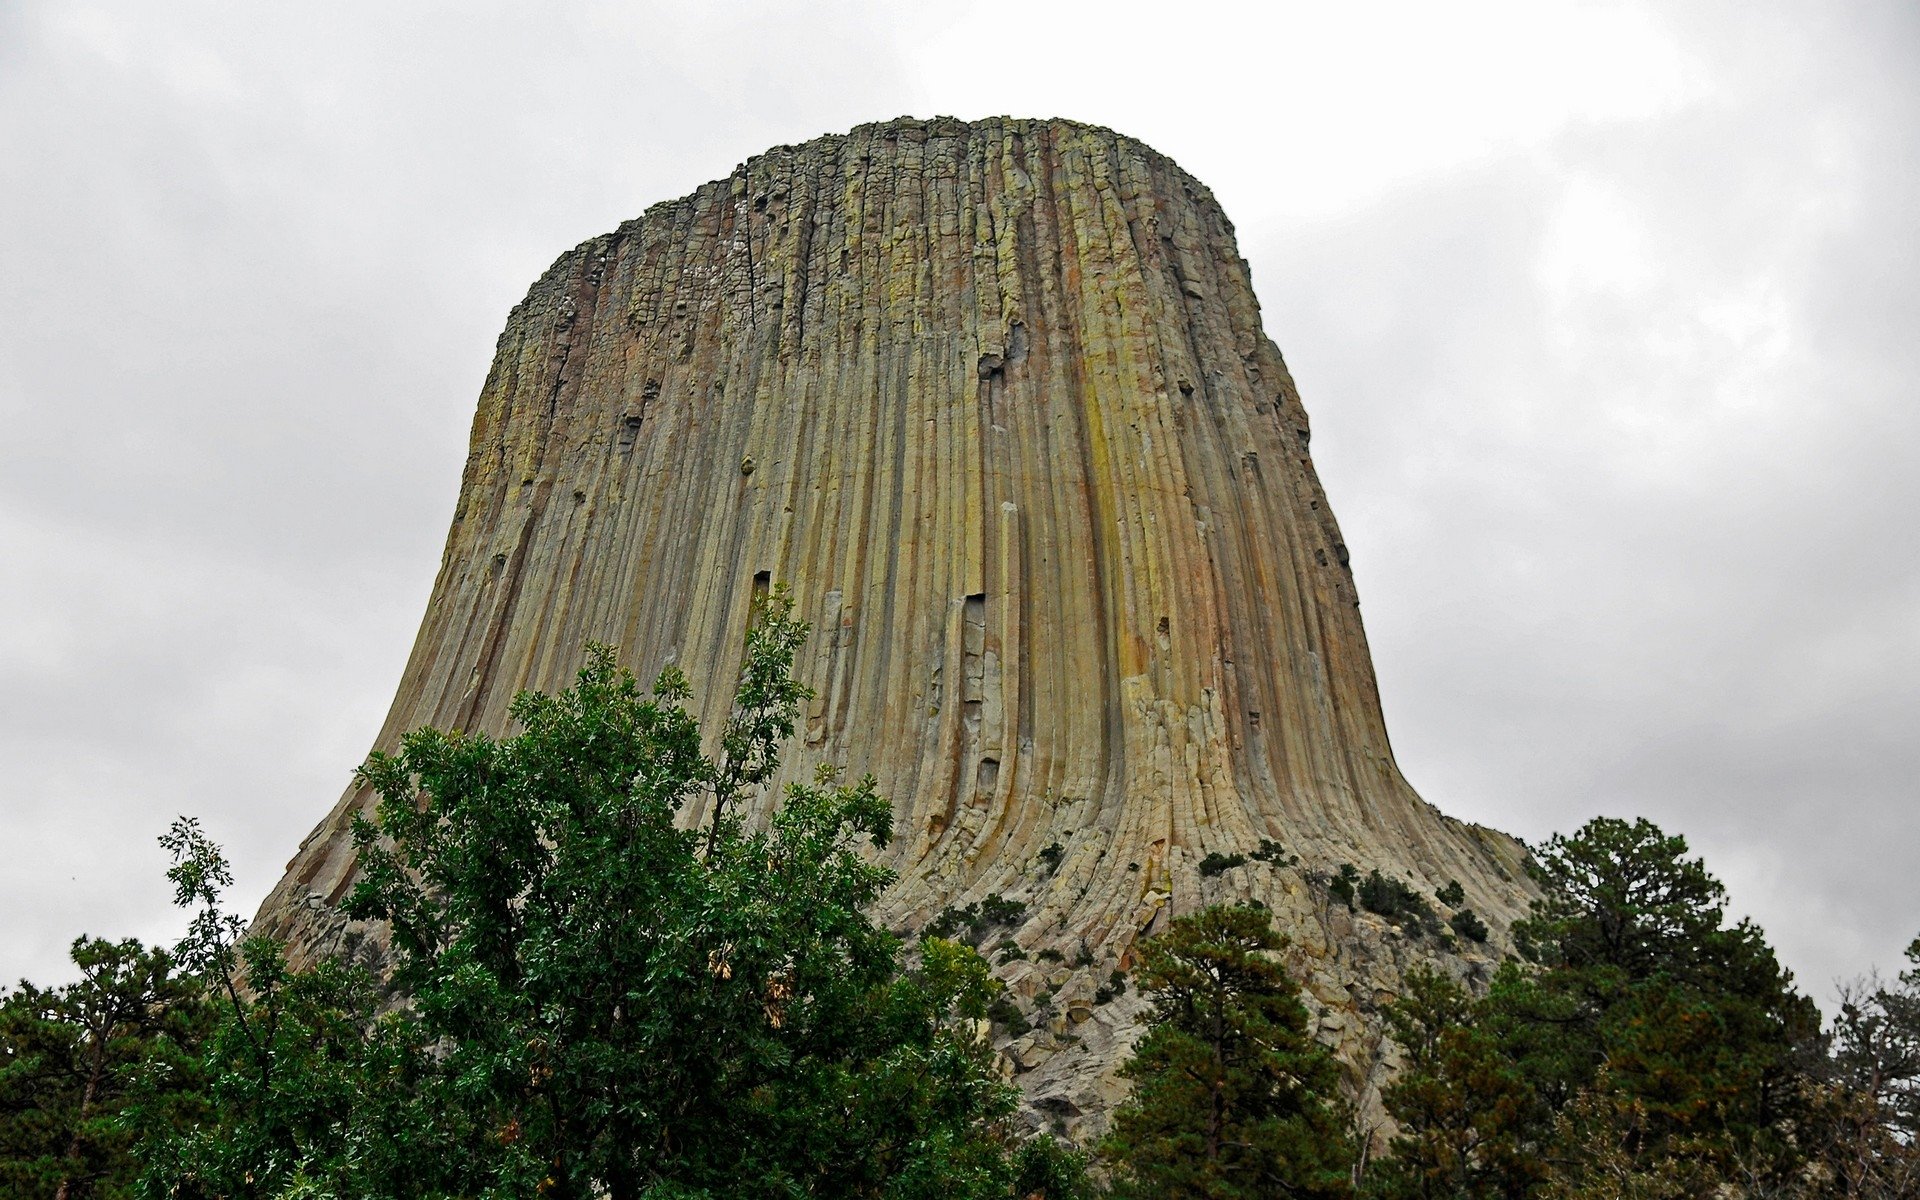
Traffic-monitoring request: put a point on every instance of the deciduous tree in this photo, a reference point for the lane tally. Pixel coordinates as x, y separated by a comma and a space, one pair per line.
598, 998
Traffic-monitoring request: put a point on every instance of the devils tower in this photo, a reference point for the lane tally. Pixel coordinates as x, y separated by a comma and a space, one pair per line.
993, 399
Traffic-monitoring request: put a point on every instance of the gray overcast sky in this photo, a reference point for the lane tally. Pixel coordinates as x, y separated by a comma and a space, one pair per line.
1606, 315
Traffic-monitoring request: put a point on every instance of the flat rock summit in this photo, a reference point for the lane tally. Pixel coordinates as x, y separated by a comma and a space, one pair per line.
993, 399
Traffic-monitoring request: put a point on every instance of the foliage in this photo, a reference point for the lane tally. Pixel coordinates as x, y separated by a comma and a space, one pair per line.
1452, 895
1876, 1046
1273, 852
974, 921
1468, 926
308, 1091
1651, 1047
1464, 1107
1623, 902
1002, 1011
79, 1062
1269, 851
1396, 900
600, 1001
1232, 1096
1216, 863
1341, 886
1052, 855
1044, 1168
1863, 1121
1693, 1018
1602, 1152
1851, 1149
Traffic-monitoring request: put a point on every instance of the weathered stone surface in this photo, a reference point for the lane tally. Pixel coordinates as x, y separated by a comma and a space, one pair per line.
994, 399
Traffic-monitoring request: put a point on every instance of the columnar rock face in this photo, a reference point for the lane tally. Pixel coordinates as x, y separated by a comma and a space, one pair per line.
994, 400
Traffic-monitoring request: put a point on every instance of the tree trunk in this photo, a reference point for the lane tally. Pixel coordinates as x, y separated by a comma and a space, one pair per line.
96, 1070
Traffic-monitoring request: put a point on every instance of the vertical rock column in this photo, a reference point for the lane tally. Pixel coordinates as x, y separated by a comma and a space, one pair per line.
994, 400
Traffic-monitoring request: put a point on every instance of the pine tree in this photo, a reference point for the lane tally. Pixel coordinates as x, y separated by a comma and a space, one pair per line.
74, 1059
1232, 1096
1464, 1107
1693, 1018
1650, 1041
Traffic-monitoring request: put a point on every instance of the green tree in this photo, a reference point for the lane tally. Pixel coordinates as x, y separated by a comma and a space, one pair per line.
599, 998
1622, 901
1463, 1105
1649, 1045
1232, 1096
1693, 1019
309, 1090
1864, 1124
74, 1059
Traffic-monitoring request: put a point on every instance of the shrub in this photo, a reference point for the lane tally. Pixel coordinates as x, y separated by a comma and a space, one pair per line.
1215, 863
1341, 886
1002, 1011
1273, 852
1468, 926
1395, 900
975, 920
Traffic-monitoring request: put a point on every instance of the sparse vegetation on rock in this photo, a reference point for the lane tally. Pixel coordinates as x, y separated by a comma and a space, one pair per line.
1215, 863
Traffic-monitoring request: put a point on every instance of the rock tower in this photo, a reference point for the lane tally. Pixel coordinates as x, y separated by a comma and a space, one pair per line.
994, 400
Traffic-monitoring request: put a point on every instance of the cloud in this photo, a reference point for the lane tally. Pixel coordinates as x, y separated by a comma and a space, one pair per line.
1627, 474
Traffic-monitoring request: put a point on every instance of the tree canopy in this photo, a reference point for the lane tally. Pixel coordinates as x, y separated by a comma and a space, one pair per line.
589, 997
1650, 1038
75, 1060
590, 993
1232, 1095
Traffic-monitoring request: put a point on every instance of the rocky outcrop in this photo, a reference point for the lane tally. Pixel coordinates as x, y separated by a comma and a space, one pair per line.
994, 400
